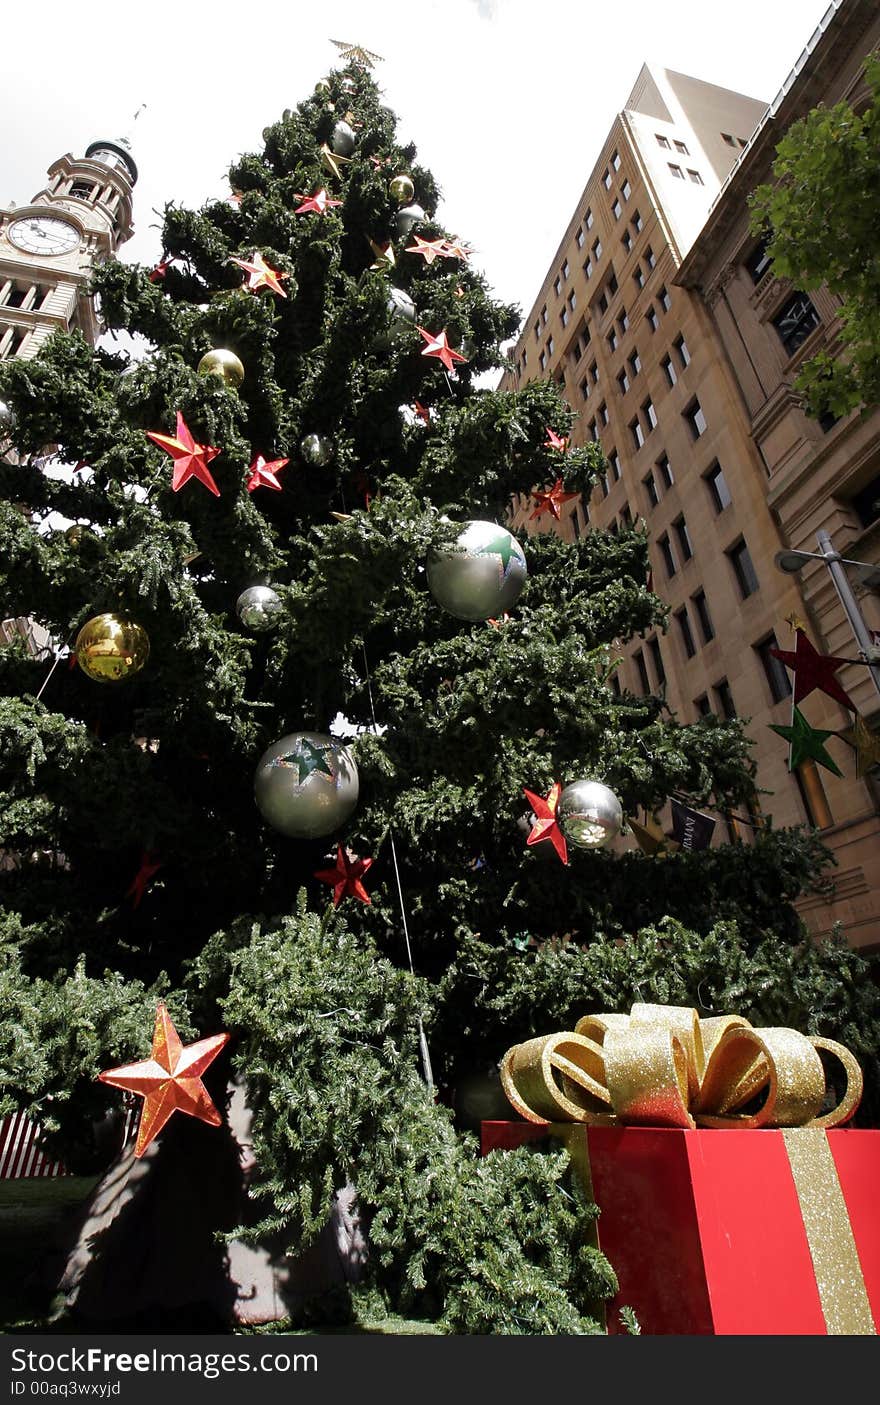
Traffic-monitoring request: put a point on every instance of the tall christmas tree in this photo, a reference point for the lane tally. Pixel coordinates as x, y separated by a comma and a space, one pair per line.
312, 775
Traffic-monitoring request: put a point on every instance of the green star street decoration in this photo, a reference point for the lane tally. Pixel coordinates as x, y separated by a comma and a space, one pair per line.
505, 546
806, 743
307, 759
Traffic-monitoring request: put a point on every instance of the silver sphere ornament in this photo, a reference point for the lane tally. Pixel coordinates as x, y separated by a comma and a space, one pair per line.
258, 608
406, 218
7, 420
480, 575
306, 785
401, 307
401, 188
342, 139
589, 814
316, 449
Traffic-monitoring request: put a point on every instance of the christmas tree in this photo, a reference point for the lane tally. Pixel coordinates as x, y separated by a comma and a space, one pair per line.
270, 543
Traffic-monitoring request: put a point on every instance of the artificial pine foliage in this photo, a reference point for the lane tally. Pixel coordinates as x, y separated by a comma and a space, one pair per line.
453, 720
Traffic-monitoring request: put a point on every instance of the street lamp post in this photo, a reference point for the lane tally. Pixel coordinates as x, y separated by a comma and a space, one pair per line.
794, 561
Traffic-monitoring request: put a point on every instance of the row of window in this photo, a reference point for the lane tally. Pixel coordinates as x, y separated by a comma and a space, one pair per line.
773, 669
678, 174
11, 341
28, 296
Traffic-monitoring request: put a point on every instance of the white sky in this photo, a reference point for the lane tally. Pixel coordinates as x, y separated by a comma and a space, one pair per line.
508, 101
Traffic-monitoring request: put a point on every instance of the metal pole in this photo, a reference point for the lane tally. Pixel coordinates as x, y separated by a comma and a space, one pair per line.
849, 603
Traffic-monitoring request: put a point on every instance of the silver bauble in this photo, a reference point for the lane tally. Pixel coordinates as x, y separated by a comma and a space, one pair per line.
401, 307
317, 449
306, 785
7, 420
258, 608
589, 814
481, 575
407, 217
342, 139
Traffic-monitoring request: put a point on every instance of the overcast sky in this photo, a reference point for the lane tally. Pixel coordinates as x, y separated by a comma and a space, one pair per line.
508, 101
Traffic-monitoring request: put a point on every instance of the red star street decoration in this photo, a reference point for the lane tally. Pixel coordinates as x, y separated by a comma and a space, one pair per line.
430, 249
190, 459
170, 1080
150, 866
260, 275
422, 412
549, 500
813, 670
554, 441
319, 201
438, 346
345, 877
545, 825
265, 475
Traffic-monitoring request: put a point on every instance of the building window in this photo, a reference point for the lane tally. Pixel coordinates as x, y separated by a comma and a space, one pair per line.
597, 249
695, 419
651, 488
564, 316
580, 237
718, 489
537, 330
731, 141
637, 222
677, 172
638, 434
612, 284
774, 669
572, 300
866, 503
585, 388
82, 190
663, 468
743, 569
626, 241
617, 209
695, 177
795, 321
606, 178
724, 698
742, 141
665, 299
680, 146
588, 219
758, 262
652, 319
615, 161
593, 431
543, 360
603, 413
614, 464
626, 190
612, 340
565, 269
549, 346
588, 267
662, 141
657, 660
701, 605
603, 484
684, 356
585, 507
649, 256
593, 373
16, 297
602, 304
702, 705
11, 342
639, 661
669, 370
623, 382
635, 364
557, 285
684, 628
650, 413
626, 517
683, 538
668, 555
623, 322
544, 314
639, 277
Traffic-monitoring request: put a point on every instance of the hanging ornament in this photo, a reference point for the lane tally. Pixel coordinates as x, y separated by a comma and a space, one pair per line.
430, 249
306, 785
76, 535
149, 867
258, 608
550, 500
342, 139
407, 217
401, 307
345, 877
265, 475
422, 411
332, 162
546, 823
438, 346
223, 364
260, 275
384, 257
555, 441
401, 188
813, 670
111, 648
157, 274
480, 575
319, 201
317, 449
865, 743
590, 814
170, 1080
806, 742
190, 459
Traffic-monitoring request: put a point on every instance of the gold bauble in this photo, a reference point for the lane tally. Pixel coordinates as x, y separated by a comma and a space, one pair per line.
322, 87
75, 534
224, 364
110, 648
401, 189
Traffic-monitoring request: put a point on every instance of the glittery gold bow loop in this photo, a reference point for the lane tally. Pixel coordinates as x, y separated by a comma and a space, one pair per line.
662, 1066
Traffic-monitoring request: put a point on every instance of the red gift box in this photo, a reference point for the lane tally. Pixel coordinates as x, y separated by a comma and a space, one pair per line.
759, 1233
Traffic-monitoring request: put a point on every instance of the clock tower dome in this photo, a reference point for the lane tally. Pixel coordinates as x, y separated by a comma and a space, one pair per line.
49, 248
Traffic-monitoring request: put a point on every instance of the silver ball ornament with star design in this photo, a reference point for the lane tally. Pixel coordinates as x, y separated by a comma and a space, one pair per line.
306, 785
480, 575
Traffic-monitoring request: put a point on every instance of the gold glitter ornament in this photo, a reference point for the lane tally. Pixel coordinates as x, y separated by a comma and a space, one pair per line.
111, 648
223, 364
401, 189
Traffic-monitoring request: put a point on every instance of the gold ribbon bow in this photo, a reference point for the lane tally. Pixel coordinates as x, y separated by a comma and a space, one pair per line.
662, 1066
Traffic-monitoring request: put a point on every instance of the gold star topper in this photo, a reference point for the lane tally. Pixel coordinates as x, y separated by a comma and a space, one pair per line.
331, 162
795, 621
355, 53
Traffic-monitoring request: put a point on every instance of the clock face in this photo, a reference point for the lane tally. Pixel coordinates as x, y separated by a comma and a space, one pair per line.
43, 234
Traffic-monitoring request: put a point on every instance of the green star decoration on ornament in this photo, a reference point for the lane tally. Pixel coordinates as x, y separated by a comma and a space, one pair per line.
806, 743
505, 546
307, 759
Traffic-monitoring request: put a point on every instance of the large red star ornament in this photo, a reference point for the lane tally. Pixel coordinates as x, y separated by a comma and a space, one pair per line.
150, 866
438, 346
813, 670
190, 459
319, 201
555, 441
430, 249
549, 500
158, 273
170, 1080
345, 877
265, 475
260, 275
456, 250
546, 826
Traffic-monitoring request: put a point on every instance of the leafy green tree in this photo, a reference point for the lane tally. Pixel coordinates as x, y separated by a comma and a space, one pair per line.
453, 720
821, 215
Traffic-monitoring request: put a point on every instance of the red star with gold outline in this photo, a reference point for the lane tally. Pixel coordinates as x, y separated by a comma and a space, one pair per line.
260, 275
550, 499
430, 249
555, 441
545, 825
813, 670
438, 346
190, 459
345, 877
319, 202
265, 475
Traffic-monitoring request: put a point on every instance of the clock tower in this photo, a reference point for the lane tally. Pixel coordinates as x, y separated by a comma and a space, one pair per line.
49, 248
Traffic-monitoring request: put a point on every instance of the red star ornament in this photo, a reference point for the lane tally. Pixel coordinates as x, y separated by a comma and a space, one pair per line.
149, 868
438, 346
422, 412
170, 1080
549, 500
190, 459
345, 877
813, 670
430, 249
265, 475
554, 441
319, 201
456, 250
260, 275
545, 826
158, 273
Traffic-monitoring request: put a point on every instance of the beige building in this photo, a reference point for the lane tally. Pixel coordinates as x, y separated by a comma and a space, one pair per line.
662, 371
